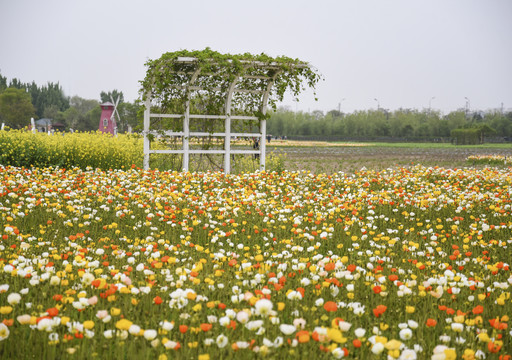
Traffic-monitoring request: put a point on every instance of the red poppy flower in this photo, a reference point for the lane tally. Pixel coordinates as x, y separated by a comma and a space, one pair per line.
431, 322
330, 306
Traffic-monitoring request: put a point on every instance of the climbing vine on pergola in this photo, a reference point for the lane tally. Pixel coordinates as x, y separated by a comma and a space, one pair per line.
193, 99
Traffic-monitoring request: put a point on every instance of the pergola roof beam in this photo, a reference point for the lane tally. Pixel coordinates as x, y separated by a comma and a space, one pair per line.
245, 76
199, 88
272, 65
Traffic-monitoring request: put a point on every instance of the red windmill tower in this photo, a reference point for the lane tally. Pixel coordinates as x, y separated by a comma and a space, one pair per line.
108, 117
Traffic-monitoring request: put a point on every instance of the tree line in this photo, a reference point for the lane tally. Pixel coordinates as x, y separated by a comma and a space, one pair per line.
19, 102
404, 124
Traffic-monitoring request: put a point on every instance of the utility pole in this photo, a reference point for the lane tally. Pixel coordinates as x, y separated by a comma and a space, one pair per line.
430, 105
339, 105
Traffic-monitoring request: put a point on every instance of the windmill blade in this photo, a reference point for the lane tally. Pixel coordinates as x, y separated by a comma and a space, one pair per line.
115, 113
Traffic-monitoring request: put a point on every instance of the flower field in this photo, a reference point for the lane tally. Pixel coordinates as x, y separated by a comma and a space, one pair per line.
398, 264
68, 150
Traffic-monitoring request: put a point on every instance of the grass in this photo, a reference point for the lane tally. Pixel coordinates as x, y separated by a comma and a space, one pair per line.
378, 156
422, 145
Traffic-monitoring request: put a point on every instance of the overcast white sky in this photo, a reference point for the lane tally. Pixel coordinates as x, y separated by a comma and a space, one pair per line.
402, 53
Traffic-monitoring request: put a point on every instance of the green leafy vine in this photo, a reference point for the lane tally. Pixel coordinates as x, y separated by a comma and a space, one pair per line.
167, 79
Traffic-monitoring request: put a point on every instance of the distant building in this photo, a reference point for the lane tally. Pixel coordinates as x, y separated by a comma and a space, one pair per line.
45, 125
107, 119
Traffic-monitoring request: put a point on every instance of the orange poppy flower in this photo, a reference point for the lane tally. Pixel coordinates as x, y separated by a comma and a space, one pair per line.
232, 325
493, 347
302, 336
277, 286
329, 266
478, 309
330, 306
431, 322
379, 310
301, 290
205, 327
157, 300
53, 312
183, 329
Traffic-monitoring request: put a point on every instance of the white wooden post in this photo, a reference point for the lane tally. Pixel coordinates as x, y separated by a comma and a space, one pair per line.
227, 144
186, 124
186, 135
227, 128
263, 131
263, 122
146, 133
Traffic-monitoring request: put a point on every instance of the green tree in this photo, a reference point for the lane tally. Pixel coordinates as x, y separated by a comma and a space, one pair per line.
456, 119
16, 109
115, 94
131, 115
90, 120
79, 116
499, 122
3, 83
48, 95
51, 112
485, 130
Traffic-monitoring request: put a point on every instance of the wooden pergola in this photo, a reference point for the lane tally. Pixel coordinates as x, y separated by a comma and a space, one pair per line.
254, 80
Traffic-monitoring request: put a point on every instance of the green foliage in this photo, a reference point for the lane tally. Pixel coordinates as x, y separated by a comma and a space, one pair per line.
466, 136
249, 164
131, 114
471, 136
44, 98
401, 124
47, 96
493, 160
3, 83
16, 108
167, 79
114, 94
83, 114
